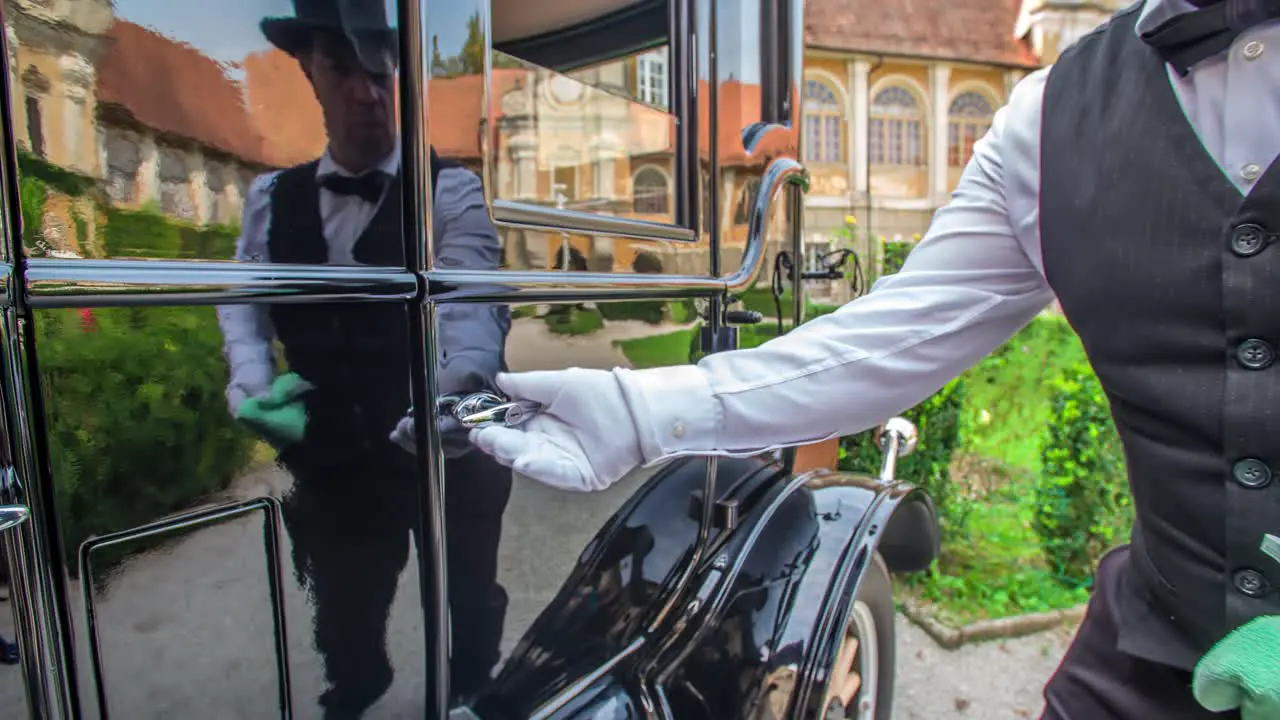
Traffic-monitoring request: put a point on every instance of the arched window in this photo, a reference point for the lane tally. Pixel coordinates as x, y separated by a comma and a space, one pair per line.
649, 192
897, 128
823, 126
969, 118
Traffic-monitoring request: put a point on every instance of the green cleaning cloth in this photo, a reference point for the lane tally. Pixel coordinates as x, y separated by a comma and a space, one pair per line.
1243, 671
278, 415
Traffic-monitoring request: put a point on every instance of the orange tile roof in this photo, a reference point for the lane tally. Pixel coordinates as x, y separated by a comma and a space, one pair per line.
152, 80
974, 30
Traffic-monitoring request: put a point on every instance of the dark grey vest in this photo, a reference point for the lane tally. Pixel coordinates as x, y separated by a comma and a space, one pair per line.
356, 354
1169, 277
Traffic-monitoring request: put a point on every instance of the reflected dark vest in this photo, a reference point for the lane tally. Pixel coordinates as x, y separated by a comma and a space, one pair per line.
356, 354
1166, 273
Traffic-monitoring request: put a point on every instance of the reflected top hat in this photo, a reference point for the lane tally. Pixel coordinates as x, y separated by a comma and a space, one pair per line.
364, 22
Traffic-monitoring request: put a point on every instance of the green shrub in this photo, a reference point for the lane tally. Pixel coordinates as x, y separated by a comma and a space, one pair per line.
1009, 394
1082, 499
136, 415
929, 467
574, 320
32, 194
894, 254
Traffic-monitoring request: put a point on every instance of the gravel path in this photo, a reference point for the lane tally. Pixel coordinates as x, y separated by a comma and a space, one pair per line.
997, 680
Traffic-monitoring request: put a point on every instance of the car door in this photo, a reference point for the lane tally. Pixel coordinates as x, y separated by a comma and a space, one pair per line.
623, 171
211, 336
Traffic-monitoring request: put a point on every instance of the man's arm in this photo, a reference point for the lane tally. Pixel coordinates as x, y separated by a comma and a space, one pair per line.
966, 288
246, 328
471, 336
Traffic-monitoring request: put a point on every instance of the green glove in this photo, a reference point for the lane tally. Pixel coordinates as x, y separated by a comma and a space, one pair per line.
1243, 671
279, 415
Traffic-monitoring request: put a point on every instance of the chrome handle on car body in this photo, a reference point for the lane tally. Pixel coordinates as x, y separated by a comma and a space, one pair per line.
781, 172
897, 438
486, 409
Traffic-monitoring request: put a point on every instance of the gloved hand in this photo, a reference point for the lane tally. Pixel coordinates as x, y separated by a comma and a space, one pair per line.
1243, 671
584, 439
279, 414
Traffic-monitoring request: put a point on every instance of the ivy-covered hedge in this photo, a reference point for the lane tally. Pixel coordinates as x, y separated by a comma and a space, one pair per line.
136, 415
146, 233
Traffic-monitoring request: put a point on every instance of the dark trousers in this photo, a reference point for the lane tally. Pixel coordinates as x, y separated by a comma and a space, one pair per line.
1096, 681
350, 524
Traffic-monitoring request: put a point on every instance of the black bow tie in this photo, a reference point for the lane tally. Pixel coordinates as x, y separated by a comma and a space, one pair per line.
368, 187
1186, 39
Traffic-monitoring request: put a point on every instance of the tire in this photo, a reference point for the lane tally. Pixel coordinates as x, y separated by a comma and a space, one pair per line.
871, 624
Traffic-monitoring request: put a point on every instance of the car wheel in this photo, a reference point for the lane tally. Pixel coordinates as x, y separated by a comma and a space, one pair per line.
861, 685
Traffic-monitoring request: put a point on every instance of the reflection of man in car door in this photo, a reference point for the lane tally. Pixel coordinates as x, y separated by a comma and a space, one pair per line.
355, 495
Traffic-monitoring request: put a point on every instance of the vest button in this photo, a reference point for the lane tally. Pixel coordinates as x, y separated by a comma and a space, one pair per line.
1255, 354
1248, 240
1251, 473
1251, 583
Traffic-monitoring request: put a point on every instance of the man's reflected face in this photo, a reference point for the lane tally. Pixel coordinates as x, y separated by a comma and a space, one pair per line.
357, 96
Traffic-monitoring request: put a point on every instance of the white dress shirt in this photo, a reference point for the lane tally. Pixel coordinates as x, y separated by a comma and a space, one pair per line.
974, 280
470, 336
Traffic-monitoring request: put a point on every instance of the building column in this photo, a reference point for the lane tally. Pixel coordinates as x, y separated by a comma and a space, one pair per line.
859, 144
940, 90
79, 78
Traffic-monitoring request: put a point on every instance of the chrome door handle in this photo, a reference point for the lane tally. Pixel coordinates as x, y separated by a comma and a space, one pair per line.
897, 438
12, 516
486, 409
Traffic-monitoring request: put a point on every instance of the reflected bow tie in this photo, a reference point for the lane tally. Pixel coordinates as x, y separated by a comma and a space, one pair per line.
1187, 39
368, 187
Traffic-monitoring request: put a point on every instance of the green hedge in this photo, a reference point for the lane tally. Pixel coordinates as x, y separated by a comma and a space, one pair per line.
146, 233
136, 415
929, 467
1082, 498
894, 254
573, 320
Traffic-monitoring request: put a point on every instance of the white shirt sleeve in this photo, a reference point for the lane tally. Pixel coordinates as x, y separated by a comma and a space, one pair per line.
246, 328
967, 287
470, 336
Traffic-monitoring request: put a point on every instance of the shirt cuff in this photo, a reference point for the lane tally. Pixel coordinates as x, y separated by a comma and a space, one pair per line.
674, 410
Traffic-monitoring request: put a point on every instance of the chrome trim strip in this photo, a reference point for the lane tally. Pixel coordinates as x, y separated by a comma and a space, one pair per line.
457, 285
682, 46
272, 523
432, 570
563, 697
49, 649
53, 283
415, 135
540, 217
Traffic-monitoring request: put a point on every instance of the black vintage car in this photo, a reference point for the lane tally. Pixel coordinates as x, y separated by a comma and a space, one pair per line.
262, 263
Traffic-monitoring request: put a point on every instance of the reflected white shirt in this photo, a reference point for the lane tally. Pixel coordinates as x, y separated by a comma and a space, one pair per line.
470, 336
974, 280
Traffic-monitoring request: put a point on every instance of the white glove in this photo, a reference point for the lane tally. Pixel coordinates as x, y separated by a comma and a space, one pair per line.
584, 439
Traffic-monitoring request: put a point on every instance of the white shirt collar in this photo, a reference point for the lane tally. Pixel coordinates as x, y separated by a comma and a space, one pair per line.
327, 166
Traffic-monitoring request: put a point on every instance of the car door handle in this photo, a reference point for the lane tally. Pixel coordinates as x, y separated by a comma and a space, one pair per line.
486, 409
12, 516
